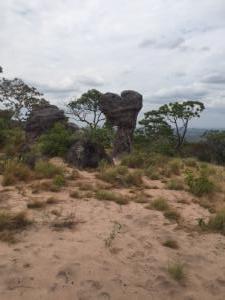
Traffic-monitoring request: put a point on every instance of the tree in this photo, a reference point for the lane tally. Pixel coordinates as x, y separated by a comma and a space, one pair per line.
1, 70
19, 97
154, 125
214, 144
179, 115
86, 108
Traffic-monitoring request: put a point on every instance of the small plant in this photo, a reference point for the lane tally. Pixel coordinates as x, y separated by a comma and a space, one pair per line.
171, 244
160, 204
45, 169
191, 162
175, 184
176, 271
172, 214
200, 185
111, 196
116, 229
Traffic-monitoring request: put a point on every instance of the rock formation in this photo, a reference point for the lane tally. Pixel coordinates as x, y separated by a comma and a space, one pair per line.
122, 111
86, 154
43, 118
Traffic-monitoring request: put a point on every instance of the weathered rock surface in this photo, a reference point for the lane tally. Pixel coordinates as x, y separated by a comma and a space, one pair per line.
122, 111
43, 118
86, 154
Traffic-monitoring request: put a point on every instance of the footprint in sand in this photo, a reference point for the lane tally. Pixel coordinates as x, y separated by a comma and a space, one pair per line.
88, 290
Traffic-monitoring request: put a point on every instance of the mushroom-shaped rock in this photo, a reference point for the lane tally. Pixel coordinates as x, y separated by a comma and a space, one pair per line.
43, 118
122, 111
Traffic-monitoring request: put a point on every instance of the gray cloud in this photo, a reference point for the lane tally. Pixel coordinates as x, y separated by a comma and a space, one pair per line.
214, 79
162, 48
162, 43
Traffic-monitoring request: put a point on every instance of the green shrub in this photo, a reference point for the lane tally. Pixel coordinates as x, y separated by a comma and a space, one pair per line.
175, 165
59, 181
56, 141
15, 171
45, 169
199, 185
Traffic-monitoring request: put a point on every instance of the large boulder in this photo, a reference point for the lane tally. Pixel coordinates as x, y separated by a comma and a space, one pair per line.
43, 118
122, 111
86, 154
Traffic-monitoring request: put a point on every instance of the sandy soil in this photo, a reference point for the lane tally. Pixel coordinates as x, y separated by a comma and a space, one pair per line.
113, 252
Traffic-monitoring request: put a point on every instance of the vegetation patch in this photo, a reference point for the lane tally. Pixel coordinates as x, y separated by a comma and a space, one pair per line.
172, 214
36, 204
120, 175
199, 185
216, 223
175, 184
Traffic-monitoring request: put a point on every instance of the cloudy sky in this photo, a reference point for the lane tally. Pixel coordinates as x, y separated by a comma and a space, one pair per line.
167, 50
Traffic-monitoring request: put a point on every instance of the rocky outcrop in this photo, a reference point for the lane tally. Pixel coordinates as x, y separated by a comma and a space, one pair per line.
86, 154
43, 118
122, 111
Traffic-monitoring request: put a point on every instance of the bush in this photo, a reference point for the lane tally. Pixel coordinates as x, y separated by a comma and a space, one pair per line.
101, 135
45, 169
15, 171
199, 185
56, 141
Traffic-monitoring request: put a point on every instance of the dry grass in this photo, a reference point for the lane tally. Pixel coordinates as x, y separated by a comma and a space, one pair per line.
171, 244
10, 224
121, 176
36, 204
15, 171
176, 271
45, 169
68, 221
160, 204
111, 196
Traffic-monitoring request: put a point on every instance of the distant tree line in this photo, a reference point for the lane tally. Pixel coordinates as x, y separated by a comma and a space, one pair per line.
162, 130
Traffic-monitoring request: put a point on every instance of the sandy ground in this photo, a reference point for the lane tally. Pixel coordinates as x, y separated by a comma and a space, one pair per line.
113, 252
